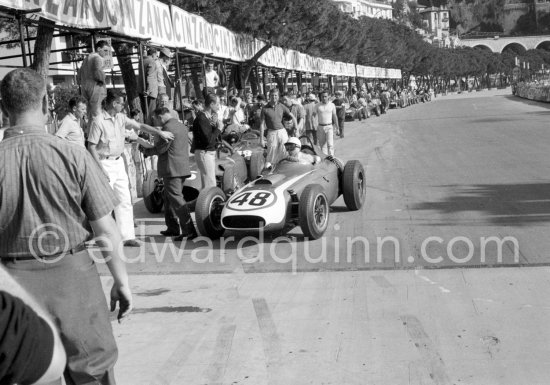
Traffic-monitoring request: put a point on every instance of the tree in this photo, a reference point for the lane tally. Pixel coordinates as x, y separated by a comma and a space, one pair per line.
43, 47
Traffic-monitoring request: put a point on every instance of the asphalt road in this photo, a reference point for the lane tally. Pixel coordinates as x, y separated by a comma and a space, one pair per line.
458, 182
457, 170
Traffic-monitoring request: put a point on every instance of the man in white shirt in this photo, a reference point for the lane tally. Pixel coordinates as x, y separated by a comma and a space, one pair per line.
326, 114
70, 128
211, 80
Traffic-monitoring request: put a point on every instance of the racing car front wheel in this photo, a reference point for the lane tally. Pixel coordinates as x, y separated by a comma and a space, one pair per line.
152, 193
313, 211
208, 212
353, 184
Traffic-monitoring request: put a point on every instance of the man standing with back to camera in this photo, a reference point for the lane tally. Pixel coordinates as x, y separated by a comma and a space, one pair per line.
53, 198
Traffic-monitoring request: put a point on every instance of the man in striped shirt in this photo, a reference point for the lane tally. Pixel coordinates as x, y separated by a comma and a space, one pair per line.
53, 198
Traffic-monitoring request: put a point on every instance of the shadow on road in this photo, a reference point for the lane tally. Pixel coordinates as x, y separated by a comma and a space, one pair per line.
503, 204
526, 101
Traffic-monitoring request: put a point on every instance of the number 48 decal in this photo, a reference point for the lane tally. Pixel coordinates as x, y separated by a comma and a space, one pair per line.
251, 198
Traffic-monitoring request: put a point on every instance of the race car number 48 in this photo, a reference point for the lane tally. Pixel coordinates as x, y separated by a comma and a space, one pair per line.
251, 200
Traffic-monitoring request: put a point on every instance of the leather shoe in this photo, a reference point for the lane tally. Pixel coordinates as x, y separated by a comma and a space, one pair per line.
168, 233
189, 237
132, 243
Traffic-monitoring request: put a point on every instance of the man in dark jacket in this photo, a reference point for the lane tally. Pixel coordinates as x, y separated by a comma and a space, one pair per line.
206, 129
173, 167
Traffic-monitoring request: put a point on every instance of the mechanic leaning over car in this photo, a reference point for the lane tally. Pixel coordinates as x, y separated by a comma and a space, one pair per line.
272, 118
173, 168
206, 128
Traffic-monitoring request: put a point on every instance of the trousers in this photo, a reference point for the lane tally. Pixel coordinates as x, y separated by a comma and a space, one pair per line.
325, 136
206, 163
276, 140
70, 290
95, 94
124, 211
175, 207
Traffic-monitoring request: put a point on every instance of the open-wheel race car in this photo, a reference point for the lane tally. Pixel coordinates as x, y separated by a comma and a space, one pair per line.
236, 163
292, 194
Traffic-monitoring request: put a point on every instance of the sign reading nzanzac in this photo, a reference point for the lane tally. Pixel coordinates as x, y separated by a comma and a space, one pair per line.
152, 19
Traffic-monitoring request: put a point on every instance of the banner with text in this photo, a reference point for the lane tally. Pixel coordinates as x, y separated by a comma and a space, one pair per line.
133, 18
151, 19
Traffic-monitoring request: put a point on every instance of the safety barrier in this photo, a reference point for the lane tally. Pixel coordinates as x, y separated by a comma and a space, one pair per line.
533, 91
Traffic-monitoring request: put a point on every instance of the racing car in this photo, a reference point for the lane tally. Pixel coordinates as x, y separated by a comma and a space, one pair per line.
292, 194
237, 162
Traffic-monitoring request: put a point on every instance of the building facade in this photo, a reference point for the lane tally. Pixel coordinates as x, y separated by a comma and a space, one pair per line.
436, 27
357, 8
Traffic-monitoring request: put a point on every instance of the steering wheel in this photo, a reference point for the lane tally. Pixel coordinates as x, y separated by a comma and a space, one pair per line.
231, 137
308, 146
251, 134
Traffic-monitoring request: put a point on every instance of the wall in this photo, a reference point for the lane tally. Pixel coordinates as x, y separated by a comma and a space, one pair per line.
540, 93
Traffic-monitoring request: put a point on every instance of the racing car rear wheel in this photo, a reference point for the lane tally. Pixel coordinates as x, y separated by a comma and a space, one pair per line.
313, 211
353, 184
257, 163
152, 194
208, 212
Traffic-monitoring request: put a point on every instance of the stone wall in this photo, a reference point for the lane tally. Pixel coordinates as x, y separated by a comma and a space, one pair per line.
532, 91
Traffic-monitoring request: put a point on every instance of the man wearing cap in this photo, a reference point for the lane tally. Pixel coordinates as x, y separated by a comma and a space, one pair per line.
326, 113
310, 121
151, 90
293, 148
272, 118
165, 84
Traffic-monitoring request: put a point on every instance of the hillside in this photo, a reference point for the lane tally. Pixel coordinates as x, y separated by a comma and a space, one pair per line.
468, 15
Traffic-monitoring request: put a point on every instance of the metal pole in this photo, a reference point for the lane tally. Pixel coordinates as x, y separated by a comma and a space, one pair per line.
143, 83
29, 42
264, 83
177, 83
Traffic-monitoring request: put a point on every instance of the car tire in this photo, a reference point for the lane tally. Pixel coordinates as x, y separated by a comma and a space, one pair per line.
152, 197
207, 214
353, 185
257, 163
313, 211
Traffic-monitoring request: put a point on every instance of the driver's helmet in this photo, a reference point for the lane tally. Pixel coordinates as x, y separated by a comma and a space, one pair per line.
295, 141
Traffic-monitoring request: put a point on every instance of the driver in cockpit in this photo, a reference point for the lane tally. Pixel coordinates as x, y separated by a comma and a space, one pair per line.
293, 148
